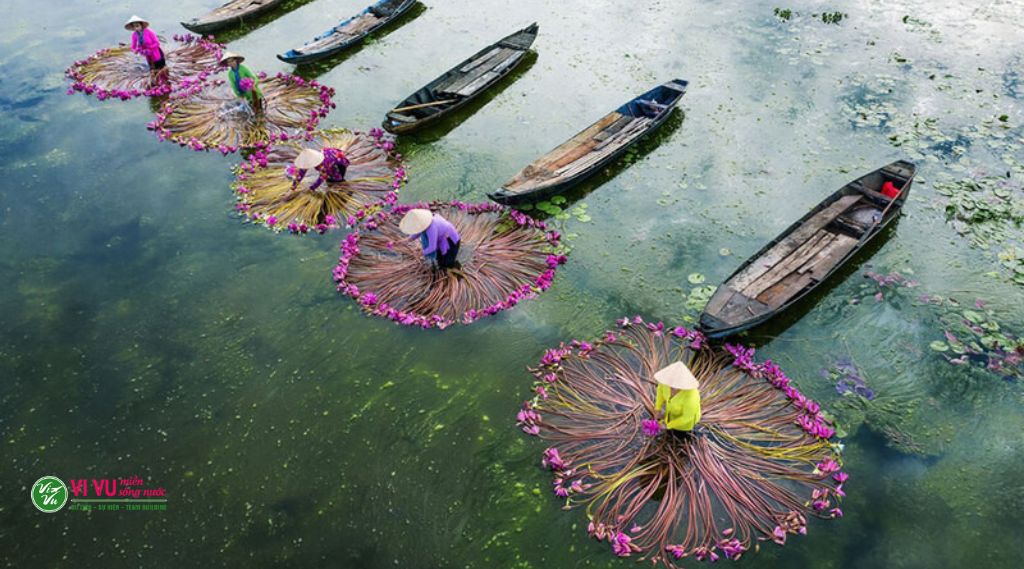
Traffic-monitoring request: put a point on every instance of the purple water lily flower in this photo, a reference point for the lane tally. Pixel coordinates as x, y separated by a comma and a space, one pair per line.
650, 427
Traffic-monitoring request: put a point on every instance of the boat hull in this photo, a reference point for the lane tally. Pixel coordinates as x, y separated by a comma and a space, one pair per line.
667, 94
203, 26
296, 58
712, 322
519, 41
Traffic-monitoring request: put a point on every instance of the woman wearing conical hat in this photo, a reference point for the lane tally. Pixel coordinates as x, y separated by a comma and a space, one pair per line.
146, 43
330, 163
244, 83
438, 237
679, 394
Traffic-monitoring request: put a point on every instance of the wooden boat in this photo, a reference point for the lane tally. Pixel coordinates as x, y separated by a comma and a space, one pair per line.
462, 83
593, 148
349, 32
807, 253
230, 13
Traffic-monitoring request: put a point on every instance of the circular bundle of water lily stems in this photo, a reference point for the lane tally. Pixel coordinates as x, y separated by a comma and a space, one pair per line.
117, 72
267, 195
209, 116
757, 463
505, 257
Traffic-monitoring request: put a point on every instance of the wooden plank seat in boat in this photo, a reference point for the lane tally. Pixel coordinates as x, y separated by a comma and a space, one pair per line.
352, 29
803, 268
791, 242
478, 73
517, 42
877, 198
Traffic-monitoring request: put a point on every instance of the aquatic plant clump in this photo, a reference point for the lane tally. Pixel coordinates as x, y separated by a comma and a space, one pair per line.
505, 257
974, 337
207, 115
757, 465
989, 210
268, 195
118, 73
848, 378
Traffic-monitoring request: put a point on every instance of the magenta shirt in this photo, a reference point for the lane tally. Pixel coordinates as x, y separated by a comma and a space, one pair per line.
149, 46
435, 238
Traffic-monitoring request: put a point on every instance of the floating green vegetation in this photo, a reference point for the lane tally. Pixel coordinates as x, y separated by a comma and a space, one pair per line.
974, 336
869, 102
898, 58
989, 211
833, 17
556, 208
921, 26
986, 209
783, 14
786, 14
697, 299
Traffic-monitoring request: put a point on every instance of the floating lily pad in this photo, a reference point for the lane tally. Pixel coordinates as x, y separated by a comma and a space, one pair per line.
695, 278
939, 346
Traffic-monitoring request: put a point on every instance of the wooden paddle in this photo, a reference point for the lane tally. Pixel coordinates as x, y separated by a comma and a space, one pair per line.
422, 105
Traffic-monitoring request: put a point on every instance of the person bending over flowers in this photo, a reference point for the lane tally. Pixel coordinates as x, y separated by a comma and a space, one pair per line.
679, 394
331, 165
438, 237
243, 81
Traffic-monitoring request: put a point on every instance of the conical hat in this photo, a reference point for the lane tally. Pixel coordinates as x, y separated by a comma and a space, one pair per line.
309, 158
230, 55
134, 20
416, 221
677, 376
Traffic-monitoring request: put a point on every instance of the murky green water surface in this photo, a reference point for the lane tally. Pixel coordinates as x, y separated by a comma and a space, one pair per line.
145, 330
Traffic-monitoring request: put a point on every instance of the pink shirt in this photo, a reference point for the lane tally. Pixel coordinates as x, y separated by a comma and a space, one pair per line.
149, 45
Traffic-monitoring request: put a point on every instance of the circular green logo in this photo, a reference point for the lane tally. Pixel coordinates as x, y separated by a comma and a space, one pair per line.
49, 494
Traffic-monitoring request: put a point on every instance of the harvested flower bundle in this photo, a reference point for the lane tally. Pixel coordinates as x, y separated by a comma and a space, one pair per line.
505, 257
117, 73
207, 115
267, 194
758, 462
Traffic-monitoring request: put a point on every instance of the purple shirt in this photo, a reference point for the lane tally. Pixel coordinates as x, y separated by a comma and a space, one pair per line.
435, 238
332, 169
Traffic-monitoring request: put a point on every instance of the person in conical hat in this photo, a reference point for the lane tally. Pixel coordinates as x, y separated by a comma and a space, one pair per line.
438, 237
679, 394
330, 163
146, 43
244, 83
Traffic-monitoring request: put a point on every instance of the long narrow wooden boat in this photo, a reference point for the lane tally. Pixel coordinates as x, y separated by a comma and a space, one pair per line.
593, 147
462, 83
230, 13
807, 253
349, 32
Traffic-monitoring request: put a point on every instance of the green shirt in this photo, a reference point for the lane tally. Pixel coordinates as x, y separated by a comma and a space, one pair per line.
243, 72
682, 410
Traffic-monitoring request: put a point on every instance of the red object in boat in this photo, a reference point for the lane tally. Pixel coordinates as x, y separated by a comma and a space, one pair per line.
890, 191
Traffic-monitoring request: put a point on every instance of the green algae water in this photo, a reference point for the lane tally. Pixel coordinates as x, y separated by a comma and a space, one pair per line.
146, 331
